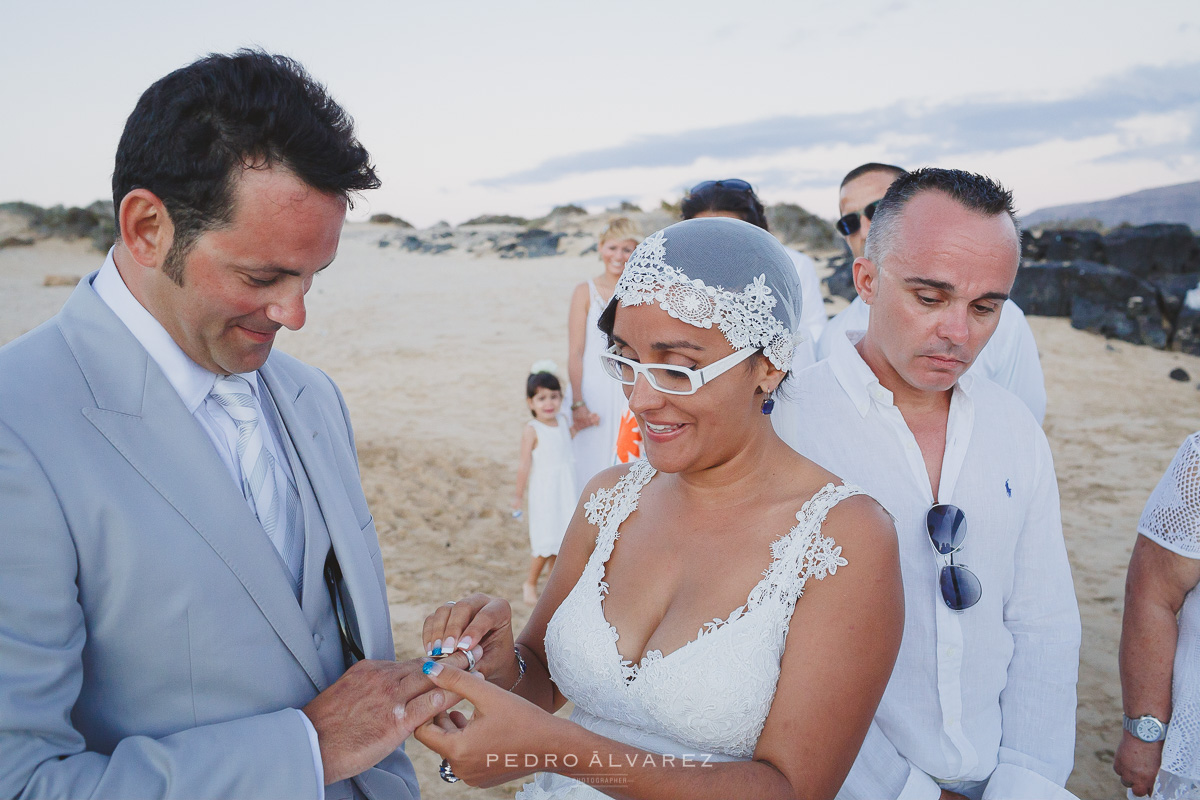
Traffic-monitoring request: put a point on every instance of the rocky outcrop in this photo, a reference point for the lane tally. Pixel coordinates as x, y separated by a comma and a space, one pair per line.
1152, 250
792, 225
27, 223
1133, 284
388, 219
840, 282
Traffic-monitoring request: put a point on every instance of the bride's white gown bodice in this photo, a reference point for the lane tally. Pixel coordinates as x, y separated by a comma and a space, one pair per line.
709, 697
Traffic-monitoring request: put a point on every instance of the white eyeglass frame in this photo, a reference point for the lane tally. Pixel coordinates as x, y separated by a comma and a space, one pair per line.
698, 377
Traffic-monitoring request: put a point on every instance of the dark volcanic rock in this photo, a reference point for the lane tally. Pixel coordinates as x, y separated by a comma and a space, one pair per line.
1179, 374
1139, 323
1172, 290
841, 282
1150, 250
1114, 303
536, 243
1045, 288
414, 244
1072, 246
1187, 330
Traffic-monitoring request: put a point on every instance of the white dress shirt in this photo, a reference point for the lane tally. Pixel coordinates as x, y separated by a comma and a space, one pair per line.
193, 383
812, 317
981, 701
1010, 358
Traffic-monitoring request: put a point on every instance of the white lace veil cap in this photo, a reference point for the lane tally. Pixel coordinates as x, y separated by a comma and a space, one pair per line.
724, 272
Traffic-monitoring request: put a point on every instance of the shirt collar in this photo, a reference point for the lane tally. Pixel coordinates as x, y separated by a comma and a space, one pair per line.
191, 381
859, 381
855, 377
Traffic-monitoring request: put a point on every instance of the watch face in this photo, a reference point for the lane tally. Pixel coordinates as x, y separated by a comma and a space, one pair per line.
1149, 730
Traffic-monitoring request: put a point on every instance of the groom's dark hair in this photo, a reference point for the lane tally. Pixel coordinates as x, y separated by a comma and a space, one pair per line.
193, 131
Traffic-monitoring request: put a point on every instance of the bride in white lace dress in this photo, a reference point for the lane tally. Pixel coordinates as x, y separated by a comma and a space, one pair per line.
674, 618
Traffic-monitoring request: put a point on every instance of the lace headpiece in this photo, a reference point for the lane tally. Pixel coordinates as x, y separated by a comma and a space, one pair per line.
723, 272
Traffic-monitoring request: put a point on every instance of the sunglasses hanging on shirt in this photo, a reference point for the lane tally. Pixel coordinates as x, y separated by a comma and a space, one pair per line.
947, 527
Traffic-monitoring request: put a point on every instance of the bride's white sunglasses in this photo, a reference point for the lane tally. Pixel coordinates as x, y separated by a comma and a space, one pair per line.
668, 378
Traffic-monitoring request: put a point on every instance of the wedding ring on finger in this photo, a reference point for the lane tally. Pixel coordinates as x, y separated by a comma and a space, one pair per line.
470, 660
446, 773
450, 602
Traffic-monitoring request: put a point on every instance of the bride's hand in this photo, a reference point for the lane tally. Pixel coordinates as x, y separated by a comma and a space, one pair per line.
506, 738
477, 619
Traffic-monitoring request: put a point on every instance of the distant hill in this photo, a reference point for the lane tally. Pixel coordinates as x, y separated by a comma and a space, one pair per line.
1179, 203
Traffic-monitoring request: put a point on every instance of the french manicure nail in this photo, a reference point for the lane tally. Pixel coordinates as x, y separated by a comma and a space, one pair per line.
478, 652
428, 649
448, 645
465, 643
437, 648
431, 668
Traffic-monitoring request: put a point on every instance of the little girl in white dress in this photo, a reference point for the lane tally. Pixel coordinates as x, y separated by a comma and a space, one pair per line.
547, 466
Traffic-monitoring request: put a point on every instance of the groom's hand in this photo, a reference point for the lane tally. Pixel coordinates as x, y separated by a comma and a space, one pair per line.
369, 711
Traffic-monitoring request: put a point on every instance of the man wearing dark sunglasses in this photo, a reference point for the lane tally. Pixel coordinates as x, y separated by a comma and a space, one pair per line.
860, 192
1010, 357
981, 703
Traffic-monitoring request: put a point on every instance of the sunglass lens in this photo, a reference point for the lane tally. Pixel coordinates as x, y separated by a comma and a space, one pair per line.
960, 588
869, 210
848, 225
947, 527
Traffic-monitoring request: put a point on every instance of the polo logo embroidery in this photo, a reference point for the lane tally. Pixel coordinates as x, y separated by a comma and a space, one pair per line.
1007, 488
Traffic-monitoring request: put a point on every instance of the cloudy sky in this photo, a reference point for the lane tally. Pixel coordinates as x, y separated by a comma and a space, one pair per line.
484, 107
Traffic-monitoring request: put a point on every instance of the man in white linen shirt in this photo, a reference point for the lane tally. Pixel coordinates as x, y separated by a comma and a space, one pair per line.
981, 703
1010, 357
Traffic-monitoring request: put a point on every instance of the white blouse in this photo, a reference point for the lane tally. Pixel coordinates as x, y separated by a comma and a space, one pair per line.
1172, 519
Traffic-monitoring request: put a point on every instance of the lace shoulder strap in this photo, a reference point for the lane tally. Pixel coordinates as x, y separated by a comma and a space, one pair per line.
805, 552
608, 508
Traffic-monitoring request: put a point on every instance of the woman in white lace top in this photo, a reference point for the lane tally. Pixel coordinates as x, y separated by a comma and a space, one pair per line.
1160, 640
674, 619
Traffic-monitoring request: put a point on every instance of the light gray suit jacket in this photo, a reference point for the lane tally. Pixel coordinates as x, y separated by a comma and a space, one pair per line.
150, 641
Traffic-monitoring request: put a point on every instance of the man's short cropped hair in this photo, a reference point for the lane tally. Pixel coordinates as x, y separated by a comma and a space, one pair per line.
872, 166
972, 191
193, 131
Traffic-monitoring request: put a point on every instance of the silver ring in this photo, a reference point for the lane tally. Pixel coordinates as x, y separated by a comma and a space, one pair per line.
446, 773
450, 602
470, 660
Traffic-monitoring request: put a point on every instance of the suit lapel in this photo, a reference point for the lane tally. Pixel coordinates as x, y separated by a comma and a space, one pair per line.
140, 414
306, 426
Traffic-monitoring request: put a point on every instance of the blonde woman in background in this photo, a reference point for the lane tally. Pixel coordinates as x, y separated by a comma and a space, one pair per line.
597, 400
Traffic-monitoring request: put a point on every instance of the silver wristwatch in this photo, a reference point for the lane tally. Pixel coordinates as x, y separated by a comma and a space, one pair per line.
1147, 728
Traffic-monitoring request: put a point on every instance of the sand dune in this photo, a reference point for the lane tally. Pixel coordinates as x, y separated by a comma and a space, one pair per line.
431, 353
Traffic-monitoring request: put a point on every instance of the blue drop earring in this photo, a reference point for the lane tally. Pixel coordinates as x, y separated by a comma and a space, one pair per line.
769, 404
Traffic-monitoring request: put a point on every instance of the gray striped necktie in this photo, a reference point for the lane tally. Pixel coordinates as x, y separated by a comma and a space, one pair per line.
259, 485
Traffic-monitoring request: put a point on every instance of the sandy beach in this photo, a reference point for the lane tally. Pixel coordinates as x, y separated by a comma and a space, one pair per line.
431, 352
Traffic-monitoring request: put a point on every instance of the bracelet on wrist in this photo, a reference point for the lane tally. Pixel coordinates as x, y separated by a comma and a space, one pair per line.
578, 404
520, 667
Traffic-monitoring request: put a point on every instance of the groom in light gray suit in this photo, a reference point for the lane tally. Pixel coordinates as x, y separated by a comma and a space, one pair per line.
192, 599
